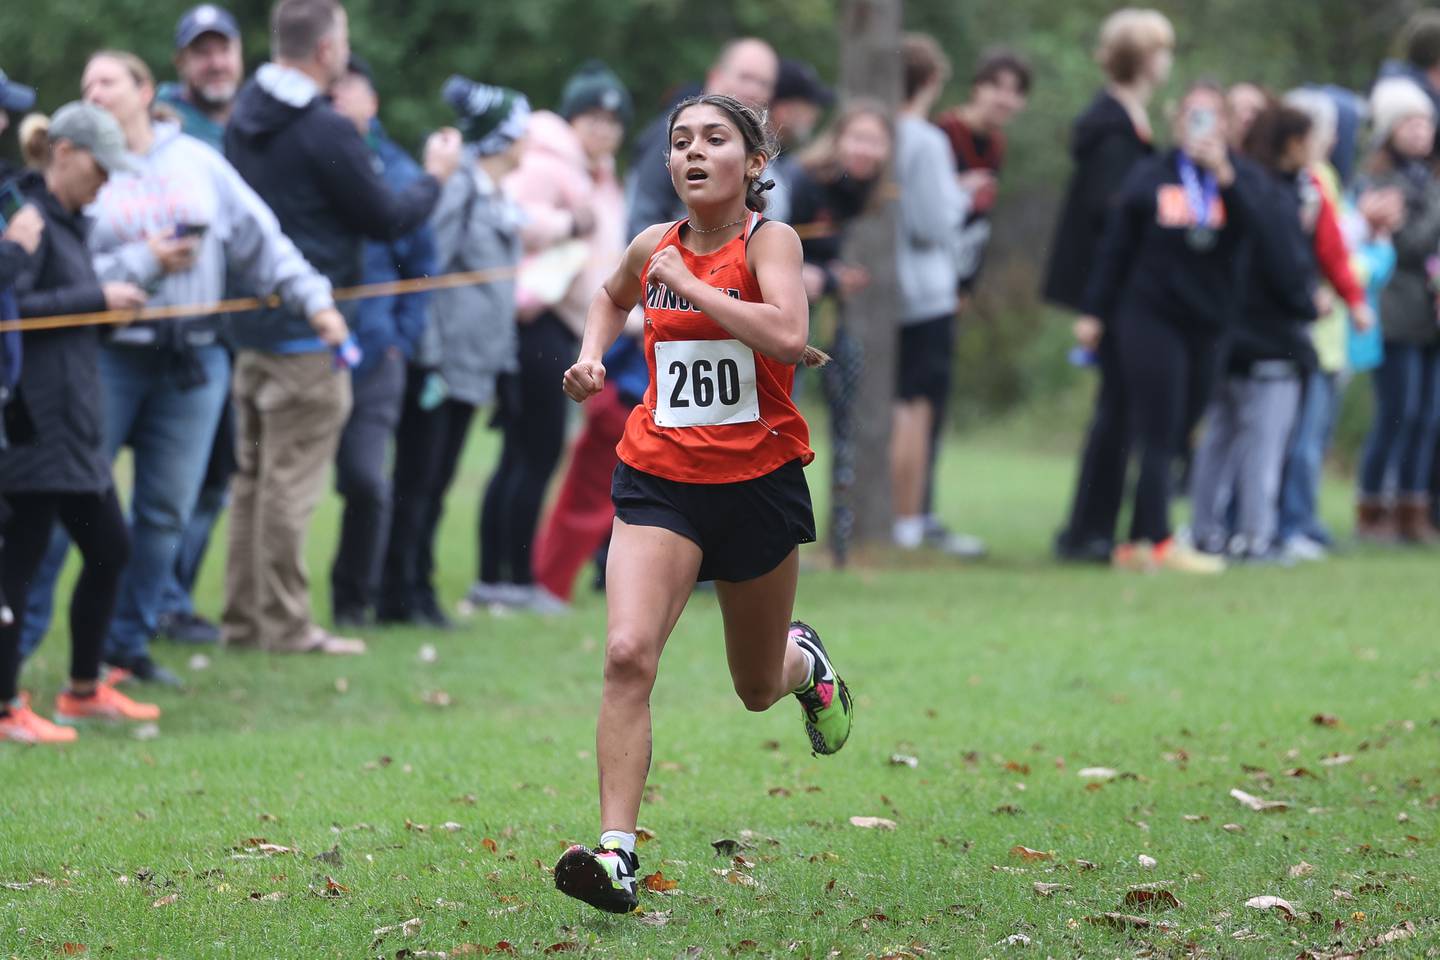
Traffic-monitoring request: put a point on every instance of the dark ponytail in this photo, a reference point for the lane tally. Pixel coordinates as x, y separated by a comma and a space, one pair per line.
754, 131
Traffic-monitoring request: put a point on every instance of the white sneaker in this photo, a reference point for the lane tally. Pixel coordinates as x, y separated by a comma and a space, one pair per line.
1301, 549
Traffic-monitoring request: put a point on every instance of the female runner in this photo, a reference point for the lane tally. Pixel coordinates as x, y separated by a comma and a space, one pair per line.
710, 484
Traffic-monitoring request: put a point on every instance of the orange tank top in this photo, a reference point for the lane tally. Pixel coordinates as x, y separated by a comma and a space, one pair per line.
715, 411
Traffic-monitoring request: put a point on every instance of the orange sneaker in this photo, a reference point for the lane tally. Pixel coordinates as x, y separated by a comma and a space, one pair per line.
107, 704
23, 725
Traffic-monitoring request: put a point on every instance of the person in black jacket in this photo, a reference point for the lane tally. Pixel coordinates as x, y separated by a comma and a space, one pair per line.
1267, 351
291, 392
64, 474
1163, 286
830, 186
1109, 138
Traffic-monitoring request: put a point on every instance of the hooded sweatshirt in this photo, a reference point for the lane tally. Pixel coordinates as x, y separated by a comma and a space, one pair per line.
554, 180
181, 181
1104, 146
932, 211
314, 170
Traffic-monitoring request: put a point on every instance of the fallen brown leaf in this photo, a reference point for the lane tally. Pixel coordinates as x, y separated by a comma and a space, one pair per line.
904, 760
1301, 869
331, 856
73, 949
266, 897
1232, 828
1252, 802
1146, 862
643, 835
450, 826
1086, 865
1268, 902
1404, 931
1047, 889
1025, 853
735, 876
564, 946
1008, 809
1140, 898
1325, 720
407, 928
1336, 760
726, 847
166, 900
1122, 921
873, 823
657, 882
654, 918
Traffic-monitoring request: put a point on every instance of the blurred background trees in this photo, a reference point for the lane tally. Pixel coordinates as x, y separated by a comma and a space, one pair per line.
1013, 352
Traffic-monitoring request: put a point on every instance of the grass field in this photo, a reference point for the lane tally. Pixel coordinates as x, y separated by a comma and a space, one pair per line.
447, 784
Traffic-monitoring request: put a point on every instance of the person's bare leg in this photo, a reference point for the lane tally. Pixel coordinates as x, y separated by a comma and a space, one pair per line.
648, 579
910, 452
765, 664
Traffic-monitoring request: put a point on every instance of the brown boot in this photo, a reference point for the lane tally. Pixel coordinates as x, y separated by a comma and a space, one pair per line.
1375, 521
1412, 521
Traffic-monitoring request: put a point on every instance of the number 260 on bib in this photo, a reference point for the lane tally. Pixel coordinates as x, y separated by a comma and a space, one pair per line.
704, 383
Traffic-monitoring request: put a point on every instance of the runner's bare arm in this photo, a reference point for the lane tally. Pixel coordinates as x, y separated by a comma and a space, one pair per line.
619, 294
609, 309
780, 325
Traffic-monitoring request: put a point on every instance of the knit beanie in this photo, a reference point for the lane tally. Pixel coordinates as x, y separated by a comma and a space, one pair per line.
1393, 100
490, 118
596, 86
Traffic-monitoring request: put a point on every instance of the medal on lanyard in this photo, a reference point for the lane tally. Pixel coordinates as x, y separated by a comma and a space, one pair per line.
1201, 191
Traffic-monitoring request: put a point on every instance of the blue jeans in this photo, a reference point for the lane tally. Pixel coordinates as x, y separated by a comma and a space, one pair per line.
169, 428
1401, 444
1304, 461
178, 595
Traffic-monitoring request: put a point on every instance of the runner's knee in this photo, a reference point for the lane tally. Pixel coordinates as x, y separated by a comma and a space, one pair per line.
630, 661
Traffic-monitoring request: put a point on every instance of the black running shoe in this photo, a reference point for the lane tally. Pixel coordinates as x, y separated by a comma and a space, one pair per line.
603, 877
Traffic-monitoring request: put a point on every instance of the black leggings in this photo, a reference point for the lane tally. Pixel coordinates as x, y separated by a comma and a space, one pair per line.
97, 527
428, 444
1101, 484
1168, 373
532, 416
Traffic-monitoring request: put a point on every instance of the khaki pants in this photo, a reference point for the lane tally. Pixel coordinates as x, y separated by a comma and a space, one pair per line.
289, 411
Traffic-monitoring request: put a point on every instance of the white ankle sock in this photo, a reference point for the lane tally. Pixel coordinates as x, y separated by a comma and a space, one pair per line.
809, 669
909, 532
626, 841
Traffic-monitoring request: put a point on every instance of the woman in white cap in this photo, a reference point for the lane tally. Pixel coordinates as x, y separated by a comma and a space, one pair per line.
63, 475
1394, 471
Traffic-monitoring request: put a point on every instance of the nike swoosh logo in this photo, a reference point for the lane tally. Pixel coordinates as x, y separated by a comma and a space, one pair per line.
715, 270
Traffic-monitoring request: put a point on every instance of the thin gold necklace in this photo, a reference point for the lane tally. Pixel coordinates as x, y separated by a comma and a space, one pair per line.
723, 226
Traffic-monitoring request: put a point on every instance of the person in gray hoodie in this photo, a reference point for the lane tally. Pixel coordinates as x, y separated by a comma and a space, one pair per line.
932, 210
174, 227
470, 341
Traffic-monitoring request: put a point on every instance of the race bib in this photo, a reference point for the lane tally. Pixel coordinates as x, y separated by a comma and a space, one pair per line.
704, 383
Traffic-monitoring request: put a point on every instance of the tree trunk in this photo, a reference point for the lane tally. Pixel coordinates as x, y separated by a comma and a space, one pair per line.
870, 68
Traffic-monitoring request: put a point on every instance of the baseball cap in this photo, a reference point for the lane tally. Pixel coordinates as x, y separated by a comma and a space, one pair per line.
15, 97
799, 81
95, 130
206, 18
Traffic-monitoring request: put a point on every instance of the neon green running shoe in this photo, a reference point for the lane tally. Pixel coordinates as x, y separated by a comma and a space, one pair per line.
603, 877
826, 700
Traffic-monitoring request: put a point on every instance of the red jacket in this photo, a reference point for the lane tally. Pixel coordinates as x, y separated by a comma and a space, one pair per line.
1331, 251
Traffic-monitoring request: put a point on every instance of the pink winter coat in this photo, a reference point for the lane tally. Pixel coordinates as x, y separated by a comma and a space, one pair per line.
555, 179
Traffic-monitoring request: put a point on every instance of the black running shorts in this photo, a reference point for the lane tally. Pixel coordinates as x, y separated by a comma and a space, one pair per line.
927, 352
744, 530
